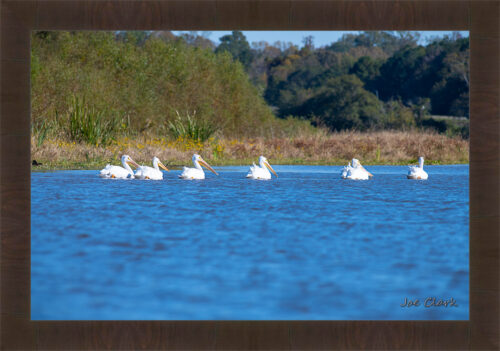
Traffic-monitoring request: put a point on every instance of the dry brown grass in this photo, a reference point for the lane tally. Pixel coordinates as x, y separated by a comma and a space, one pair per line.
380, 147
385, 147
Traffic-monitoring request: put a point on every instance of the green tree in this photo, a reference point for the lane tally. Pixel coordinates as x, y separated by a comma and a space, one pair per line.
368, 70
138, 37
401, 75
295, 76
389, 42
398, 116
237, 45
342, 103
198, 40
450, 92
144, 84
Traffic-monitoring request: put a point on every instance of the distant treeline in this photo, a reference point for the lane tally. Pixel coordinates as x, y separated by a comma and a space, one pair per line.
147, 81
381, 80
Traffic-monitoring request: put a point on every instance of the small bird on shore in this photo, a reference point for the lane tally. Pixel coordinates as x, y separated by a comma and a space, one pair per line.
117, 172
197, 171
154, 173
354, 170
262, 171
417, 172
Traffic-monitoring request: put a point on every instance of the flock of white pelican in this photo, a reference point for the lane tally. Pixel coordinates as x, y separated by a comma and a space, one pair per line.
354, 170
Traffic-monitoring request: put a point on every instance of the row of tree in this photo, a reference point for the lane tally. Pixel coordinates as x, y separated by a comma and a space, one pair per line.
362, 81
370, 80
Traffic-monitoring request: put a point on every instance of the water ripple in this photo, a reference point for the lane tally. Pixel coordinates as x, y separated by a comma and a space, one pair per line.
307, 245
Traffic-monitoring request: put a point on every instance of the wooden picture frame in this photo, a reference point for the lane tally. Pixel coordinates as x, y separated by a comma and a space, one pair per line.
20, 17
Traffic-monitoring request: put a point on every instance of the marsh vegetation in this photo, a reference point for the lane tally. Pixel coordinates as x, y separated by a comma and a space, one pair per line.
379, 95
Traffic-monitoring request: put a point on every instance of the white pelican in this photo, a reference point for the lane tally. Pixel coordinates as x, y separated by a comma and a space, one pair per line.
119, 172
154, 173
417, 172
355, 171
261, 172
345, 170
197, 171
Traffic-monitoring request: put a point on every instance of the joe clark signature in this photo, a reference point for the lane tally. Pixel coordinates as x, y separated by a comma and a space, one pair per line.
430, 302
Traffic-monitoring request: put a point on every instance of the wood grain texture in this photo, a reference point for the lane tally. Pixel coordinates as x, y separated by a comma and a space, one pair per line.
484, 320
378, 335
147, 335
484, 175
188, 15
484, 272
132, 15
379, 15
22, 13
142, 15
259, 14
15, 87
14, 171
19, 17
484, 18
17, 333
14, 41
15, 246
252, 335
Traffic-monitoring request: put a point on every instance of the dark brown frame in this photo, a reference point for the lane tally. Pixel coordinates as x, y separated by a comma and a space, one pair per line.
19, 17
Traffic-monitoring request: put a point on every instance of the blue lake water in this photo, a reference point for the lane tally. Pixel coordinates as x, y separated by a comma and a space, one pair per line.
307, 245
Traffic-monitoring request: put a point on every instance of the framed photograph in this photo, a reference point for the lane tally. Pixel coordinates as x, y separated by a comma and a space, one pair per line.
314, 236
240, 174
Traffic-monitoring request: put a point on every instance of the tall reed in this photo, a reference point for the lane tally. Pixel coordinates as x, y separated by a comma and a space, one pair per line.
189, 127
90, 125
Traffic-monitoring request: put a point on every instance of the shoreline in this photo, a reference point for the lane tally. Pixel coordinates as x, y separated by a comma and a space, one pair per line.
374, 148
50, 167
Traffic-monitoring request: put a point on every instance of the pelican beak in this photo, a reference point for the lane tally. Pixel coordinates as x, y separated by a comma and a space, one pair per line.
133, 163
206, 165
369, 174
163, 166
270, 168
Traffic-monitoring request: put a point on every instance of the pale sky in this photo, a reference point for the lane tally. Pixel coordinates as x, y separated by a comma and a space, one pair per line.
321, 38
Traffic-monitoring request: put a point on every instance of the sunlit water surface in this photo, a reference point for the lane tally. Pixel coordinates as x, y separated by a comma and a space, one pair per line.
307, 245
